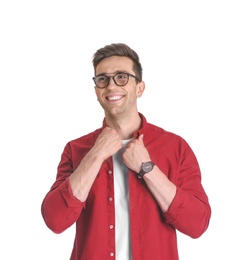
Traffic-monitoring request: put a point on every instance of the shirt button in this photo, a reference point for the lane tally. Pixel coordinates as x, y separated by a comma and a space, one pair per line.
111, 226
110, 199
111, 254
109, 172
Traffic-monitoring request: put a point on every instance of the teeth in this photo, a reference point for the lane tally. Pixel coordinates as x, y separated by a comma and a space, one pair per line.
114, 98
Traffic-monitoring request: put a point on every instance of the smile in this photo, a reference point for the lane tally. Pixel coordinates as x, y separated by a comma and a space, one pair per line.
114, 98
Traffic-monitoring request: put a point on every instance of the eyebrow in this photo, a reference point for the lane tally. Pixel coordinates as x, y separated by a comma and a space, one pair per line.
116, 72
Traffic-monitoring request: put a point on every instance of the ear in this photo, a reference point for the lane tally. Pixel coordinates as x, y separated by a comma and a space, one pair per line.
140, 88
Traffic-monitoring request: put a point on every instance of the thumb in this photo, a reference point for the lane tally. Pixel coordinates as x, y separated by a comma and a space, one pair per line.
140, 138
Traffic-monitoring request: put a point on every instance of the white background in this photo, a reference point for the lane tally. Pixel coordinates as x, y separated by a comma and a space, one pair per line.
196, 59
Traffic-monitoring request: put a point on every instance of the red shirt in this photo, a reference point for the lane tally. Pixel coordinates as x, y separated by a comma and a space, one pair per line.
153, 233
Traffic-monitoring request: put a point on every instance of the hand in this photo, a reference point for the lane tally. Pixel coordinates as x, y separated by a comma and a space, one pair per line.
136, 153
108, 143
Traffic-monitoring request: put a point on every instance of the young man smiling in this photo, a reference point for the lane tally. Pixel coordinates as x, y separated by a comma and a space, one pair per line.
129, 185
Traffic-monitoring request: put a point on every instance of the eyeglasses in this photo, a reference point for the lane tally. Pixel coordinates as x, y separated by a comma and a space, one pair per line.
120, 79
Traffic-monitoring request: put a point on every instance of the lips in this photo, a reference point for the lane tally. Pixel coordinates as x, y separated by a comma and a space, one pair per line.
114, 98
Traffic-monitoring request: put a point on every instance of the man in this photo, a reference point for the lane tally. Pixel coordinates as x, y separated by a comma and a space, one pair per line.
129, 185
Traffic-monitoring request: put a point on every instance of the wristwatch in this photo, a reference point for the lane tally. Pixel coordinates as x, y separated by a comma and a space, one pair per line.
146, 167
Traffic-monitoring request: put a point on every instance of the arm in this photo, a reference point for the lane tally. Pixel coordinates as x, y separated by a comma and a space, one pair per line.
182, 199
160, 186
107, 144
65, 201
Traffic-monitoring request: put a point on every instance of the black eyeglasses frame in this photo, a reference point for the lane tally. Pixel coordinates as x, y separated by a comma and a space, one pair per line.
113, 77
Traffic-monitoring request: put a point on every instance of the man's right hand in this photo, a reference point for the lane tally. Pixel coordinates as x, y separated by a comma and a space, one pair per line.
108, 143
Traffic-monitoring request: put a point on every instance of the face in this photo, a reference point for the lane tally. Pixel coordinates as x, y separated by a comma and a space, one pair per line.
114, 99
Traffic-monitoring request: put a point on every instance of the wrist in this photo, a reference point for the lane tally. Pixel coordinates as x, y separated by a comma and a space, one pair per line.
146, 167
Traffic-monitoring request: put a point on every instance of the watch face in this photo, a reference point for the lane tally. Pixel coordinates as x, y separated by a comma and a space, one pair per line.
147, 167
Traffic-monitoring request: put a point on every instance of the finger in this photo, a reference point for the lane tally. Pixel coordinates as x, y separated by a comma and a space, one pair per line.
140, 138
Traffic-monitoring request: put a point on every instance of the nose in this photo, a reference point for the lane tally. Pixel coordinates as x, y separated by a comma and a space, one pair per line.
111, 83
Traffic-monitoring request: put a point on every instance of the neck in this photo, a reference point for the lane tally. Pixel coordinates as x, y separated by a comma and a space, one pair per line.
126, 125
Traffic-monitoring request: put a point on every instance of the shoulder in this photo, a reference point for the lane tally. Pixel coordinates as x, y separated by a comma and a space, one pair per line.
154, 130
85, 140
164, 138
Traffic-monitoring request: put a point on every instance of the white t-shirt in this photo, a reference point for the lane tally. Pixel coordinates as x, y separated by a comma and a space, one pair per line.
122, 218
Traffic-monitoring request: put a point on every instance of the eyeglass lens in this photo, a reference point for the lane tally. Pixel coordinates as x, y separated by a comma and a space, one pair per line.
120, 79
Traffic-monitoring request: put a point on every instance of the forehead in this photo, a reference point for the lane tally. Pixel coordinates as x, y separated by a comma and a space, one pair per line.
114, 64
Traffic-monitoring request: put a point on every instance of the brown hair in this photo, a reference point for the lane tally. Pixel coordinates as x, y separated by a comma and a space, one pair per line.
118, 49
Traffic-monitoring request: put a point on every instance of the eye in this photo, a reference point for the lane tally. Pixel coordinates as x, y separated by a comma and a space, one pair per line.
101, 79
121, 76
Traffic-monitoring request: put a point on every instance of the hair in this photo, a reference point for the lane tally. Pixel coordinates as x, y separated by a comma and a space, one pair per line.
118, 49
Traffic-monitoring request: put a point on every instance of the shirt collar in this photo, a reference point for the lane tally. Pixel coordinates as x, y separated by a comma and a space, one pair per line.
142, 129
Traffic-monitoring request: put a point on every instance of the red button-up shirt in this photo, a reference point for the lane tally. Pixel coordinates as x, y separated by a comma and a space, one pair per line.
153, 232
